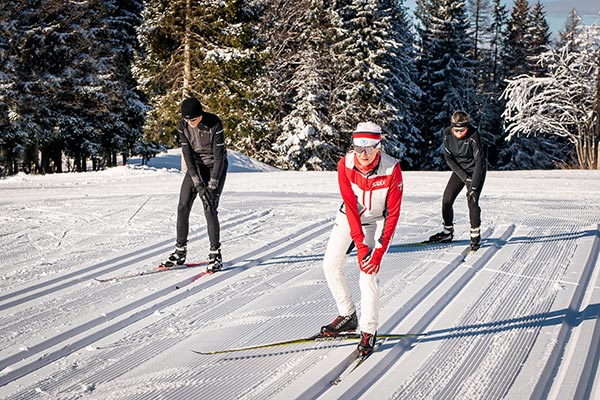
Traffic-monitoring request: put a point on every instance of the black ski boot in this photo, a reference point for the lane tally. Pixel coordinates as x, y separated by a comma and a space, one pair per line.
444, 236
342, 323
176, 258
475, 239
367, 343
215, 260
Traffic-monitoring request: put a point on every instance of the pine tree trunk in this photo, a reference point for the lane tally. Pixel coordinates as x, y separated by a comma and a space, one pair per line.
187, 68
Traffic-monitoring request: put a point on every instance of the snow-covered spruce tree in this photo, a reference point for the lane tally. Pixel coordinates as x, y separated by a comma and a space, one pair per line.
335, 64
11, 140
205, 48
446, 71
527, 37
298, 80
376, 74
563, 103
497, 34
488, 111
70, 74
572, 26
540, 38
123, 118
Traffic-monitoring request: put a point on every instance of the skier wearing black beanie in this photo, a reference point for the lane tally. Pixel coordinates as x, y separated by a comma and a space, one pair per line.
205, 154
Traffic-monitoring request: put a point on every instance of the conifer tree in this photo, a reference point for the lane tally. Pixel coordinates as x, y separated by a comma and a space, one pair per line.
70, 68
354, 63
202, 48
515, 50
298, 80
374, 50
447, 71
528, 38
540, 38
572, 26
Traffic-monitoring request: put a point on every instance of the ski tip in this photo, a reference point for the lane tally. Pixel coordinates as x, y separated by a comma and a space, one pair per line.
202, 353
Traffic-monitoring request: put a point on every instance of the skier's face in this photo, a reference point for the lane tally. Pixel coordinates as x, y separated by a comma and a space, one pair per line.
366, 155
459, 132
194, 122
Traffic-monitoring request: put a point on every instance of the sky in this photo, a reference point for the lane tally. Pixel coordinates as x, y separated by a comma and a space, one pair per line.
517, 319
557, 11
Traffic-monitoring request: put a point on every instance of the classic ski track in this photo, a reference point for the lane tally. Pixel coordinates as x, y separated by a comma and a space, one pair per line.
51, 286
139, 354
550, 370
86, 220
514, 340
52, 354
356, 388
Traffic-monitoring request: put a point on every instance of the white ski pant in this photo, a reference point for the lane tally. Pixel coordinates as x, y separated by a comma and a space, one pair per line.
338, 248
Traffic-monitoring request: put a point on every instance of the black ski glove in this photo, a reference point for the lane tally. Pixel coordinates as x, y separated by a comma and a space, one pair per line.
473, 195
203, 192
213, 184
468, 184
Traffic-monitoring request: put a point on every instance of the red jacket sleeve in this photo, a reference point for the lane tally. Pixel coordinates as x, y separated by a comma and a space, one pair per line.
393, 202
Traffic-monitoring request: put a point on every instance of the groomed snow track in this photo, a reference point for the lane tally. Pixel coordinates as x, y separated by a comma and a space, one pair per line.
518, 319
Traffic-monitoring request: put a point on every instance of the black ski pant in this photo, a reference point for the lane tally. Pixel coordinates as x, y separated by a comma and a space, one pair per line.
187, 196
453, 188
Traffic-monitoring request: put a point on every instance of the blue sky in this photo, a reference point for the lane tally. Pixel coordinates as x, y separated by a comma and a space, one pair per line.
557, 11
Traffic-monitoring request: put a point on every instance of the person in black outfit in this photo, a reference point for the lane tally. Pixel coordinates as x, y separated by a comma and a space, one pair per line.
203, 149
465, 156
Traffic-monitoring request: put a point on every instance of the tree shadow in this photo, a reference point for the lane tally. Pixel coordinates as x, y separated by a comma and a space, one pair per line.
557, 237
554, 237
571, 317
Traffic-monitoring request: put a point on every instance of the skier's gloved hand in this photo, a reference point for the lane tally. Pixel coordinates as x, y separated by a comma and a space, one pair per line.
213, 184
198, 184
473, 195
203, 192
372, 262
362, 251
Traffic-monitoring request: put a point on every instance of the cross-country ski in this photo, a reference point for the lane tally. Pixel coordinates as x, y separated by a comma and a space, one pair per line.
318, 338
152, 271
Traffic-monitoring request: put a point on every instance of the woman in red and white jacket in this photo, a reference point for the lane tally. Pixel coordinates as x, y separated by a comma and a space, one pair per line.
371, 187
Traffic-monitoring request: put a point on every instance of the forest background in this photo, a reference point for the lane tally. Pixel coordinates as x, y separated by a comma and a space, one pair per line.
88, 84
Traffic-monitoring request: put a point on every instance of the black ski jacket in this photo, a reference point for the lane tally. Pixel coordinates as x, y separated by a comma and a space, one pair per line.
466, 156
204, 145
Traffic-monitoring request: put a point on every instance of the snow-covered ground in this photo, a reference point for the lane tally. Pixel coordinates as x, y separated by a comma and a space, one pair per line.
516, 320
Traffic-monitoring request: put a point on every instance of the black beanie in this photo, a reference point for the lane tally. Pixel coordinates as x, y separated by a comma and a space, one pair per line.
191, 108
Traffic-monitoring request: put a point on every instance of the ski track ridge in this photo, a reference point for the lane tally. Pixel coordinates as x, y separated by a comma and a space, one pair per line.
112, 265
384, 363
288, 242
359, 387
550, 370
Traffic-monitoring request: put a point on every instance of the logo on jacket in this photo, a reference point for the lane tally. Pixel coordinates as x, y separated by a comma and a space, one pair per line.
378, 183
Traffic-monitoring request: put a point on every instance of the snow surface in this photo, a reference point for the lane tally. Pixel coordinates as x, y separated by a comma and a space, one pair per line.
516, 320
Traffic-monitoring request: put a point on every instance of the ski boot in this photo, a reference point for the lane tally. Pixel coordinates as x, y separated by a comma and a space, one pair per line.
176, 258
444, 236
367, 343
215, 260
341, 323
475, 239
